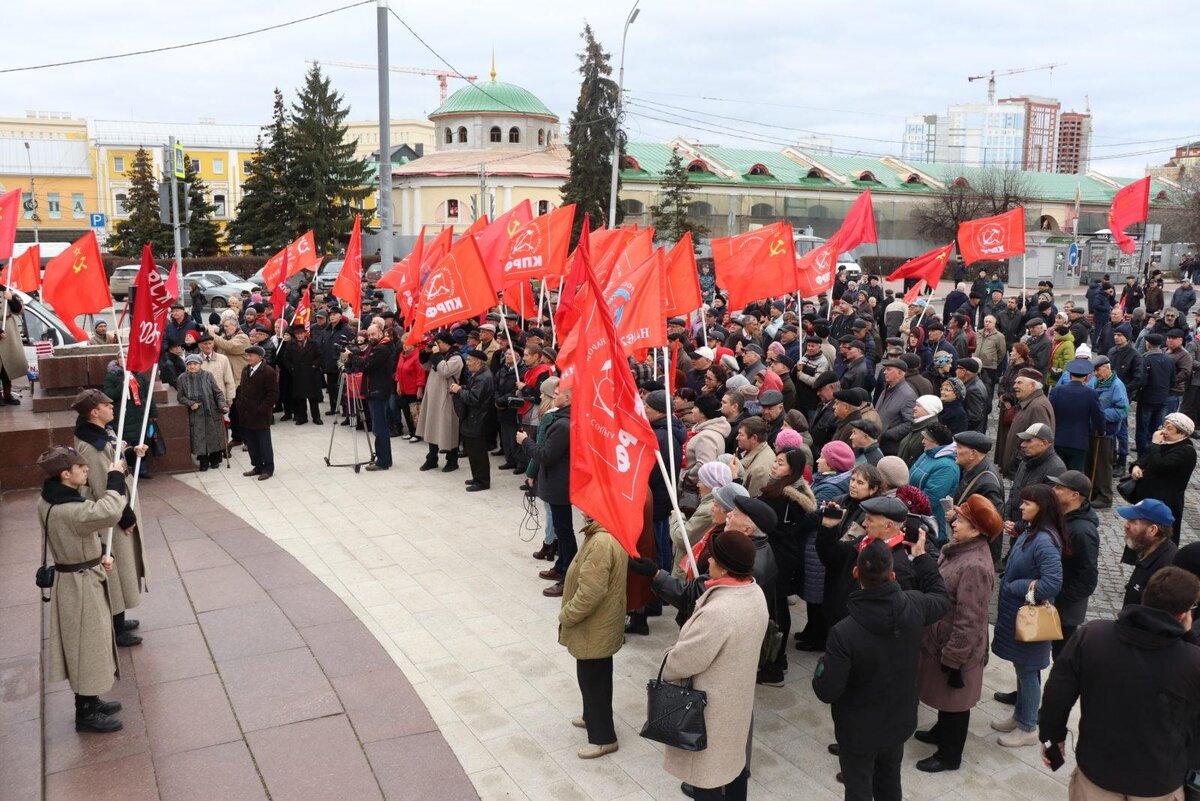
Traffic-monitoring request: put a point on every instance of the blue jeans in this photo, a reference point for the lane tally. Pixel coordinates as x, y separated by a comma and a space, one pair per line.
1149, 420
1029, 696
379, 427
548, 525
1173, 402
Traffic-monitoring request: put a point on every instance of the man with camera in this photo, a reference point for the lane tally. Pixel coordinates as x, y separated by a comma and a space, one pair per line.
476, 396
377, 363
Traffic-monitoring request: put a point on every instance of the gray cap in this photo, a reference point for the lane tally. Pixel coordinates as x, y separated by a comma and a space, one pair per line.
1074, 480
727, 495
975, 440
890, 507
657, 400
1099, 360
772, 397
256, 350
1039, 430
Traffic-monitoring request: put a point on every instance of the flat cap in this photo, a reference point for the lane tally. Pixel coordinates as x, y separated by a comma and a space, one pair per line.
974, 440
899, 364
825, 379
772, 397
256, 350
866, 426
971, 365
890, 507
855, 396
1079, 367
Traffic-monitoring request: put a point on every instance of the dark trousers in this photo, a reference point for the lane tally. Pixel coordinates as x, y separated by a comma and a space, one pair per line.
560, 516
508, 437
816, 630
1100, 469
951, 733
431, 455
477, 457
1149, 420
331, 387
1073, 458
734, 791
235, 426
379, 427
262, 454
404, 408
872, 777
301, 407
595, 678
781, 613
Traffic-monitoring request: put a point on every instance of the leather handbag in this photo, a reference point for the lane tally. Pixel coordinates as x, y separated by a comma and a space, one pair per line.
1126, 487
675, 713
1037, 622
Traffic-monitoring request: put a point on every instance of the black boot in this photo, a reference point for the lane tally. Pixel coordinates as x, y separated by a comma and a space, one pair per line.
637, 624
431, 459
90, 717
125, 638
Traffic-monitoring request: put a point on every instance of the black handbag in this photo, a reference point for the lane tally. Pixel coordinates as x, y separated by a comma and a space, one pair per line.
675, 713
1126, 487
44, 577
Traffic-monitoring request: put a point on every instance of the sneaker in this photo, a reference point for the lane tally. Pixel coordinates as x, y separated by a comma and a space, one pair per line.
594, 751
414, 438
1018, 739
770, 675
1005, 725
578, 723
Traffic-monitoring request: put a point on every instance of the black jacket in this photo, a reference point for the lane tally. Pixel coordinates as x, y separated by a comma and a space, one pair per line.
869, 670
983, 479
378, 366
658, 487
478, 396
1143, 569
332, 343
553, 455
1127, 364
1157, 377
1166, 470
1030, 471
1079, 569
839, 556
858, 374
1138, 684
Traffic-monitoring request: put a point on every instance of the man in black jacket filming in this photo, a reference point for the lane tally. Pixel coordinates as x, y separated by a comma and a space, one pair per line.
377, 363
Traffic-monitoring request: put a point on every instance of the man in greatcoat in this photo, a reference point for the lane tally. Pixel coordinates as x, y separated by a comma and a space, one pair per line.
438, 424
476, 394
303, 359
256, 402
231, 343
97, 445
81, 646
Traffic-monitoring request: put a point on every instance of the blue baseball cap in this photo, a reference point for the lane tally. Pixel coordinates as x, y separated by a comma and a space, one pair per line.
1150, 509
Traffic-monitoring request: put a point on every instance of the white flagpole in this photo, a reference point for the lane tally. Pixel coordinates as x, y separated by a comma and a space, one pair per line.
7, 286
703, 325
668, 475
137, 465
507, 333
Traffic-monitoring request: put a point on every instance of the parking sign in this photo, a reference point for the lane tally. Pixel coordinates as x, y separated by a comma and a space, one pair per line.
97, 220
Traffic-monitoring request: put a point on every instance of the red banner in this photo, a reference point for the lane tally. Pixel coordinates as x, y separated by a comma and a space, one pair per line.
858, 227
75, 283
25, 271
756, 265
635, 300
605, 247
303, 315
456, 288
348, 285
417, 267
1130, 205
10, 212
566, 315
538, 248
682, 279
394, 277
299, 255
910, 297
150, 308
493, 240
992, 237
816, 269
928, 266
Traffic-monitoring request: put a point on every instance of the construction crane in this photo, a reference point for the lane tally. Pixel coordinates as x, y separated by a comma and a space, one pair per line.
443, 76
991, 77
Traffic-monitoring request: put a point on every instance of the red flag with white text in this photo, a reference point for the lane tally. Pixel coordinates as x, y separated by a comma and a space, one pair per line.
456, 288
417, 270
1130, 205
816, 269
494, 238
995, 237
635, 300
75, 283
301, 254
538, 248
348, 285
151, 305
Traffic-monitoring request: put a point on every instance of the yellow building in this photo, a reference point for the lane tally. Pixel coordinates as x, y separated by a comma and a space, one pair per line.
365, 134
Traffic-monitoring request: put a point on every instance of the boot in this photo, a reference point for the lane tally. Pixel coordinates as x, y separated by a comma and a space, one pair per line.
9, 399
89, 717
451, 463
637, 624
543, 552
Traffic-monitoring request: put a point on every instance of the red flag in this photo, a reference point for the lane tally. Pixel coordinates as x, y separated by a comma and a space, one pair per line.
612, 446
303, 313
519, 298
75, 283
566, 315
859, 225
279, 293
992, 237
10, 212
394, 277
756, 265
911, 295
477, 227
683, 279
299, 255
1130, 205
457, 288
493, 240
348, 285
928, 266
25, 271
538, 248
173, 281
150, 308
417, 270
815, 270
635, 298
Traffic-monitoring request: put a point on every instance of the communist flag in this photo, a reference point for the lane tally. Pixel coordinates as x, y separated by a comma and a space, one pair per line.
519, 298
629, 247
1130, 205
10, 212
279, 293
25, 271
477, 227
566, 314
815, 270
992, 237
756, 265
303, 313
75, 283
538, 248
420, 262
457, 288
635, 299
394, 277
348, 285
613, 449
173, 280
493, 240
928, 266
150, 307
682, 279
299, 255
859, 225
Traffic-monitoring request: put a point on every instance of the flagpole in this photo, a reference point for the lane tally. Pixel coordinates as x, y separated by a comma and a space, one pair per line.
541, 300
703, 325
507, 333
925, 308
137, 465
7, 287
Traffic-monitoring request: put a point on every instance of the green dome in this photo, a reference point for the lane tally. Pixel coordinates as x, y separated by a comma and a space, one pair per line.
493, 97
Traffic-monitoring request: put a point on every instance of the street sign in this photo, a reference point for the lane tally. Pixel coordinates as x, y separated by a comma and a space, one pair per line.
96, 220
1153, 232
1073, 255
179, 171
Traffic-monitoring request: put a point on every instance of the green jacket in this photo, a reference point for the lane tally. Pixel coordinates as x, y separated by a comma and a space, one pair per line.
592, 617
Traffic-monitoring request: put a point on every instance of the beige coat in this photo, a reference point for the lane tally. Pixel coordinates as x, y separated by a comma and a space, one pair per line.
1034, 409
990, 348
233, 349
591, 622
757, 464
83, 649
12, 353
129, 571
438, 424
218, 365
718, 649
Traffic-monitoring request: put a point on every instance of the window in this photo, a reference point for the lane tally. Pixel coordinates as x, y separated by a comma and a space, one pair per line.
195, 165
631, 163
541, 137
762, 210
449, 136
218, 205
514, 135
495, 134
119, 204
914, 179
543, 207
462, 135
633, 207
815, 173
54, 205
698, 166
246, 166
452, 209
218, 166
868, 176
700, 209
119, 164
759, 169
77, 209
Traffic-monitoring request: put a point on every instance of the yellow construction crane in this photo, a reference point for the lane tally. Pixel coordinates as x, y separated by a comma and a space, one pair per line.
443, 76
991, 77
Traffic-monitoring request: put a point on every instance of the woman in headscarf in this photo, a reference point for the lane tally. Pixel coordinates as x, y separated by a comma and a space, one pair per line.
916, 344
953, 414
197, 391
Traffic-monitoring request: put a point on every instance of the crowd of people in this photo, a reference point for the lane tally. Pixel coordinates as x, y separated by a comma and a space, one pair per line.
860, 473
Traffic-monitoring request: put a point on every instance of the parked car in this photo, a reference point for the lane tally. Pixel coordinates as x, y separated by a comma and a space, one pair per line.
223, 278
373, 274
328, 275
122, 279
294, 282
218, 296
40, 323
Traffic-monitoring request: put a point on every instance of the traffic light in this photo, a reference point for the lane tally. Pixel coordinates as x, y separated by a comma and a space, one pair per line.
186, 217
164, 202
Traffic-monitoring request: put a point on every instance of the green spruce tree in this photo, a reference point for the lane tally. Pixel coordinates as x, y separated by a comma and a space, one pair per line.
590, 138
142, 226
328, 182
267, 213
203, 232
670, 217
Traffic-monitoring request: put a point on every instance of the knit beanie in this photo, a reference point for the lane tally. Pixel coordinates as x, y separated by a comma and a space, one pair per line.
788, 438
715, 475
893, 470
838, 455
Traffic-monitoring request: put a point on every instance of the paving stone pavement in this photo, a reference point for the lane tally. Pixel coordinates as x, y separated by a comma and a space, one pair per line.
445, 582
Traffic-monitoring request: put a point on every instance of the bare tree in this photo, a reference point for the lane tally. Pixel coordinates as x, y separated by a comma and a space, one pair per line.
989, 193
1181, 219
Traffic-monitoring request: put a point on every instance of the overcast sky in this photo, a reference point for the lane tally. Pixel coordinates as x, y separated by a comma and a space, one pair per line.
851, 70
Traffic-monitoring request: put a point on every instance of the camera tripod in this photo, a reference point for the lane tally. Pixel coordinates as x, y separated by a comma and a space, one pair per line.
350, 394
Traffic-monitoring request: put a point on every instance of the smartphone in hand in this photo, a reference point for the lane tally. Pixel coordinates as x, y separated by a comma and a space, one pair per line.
1054, 755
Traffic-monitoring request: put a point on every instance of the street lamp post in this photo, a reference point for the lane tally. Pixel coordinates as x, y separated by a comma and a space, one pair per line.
616, 157
32, 195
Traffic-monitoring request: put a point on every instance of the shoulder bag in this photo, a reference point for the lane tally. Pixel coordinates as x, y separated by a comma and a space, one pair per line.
675, 713
1126, 488
1037, 622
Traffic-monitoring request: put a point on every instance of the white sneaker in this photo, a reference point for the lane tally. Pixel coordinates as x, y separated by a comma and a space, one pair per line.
1005, 725
594, 751
1018, 738
578, 723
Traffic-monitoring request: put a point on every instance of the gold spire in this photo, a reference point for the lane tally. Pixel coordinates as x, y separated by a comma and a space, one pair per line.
493, 65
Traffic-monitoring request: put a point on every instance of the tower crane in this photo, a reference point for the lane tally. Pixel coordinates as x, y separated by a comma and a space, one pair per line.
443, 76
991, 77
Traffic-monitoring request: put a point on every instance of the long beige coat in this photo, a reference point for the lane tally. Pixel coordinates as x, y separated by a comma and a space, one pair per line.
217, 364
591, 622
233, 349
12, 353
129, 570
718, 649
438, 424
757, 464
83, 648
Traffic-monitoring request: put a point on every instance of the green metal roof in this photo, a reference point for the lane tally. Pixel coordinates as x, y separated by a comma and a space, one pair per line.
493, 97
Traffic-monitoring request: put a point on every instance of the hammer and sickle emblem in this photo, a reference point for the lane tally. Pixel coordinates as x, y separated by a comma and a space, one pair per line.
941, 256
80, 261
777, 247
513, 225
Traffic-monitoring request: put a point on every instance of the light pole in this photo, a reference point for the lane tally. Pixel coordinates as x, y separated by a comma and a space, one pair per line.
384, 206
616, 157
32, 196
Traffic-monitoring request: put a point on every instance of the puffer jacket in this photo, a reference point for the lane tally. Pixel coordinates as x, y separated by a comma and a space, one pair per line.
591, 622
1035, 555
793, 535
912, 446
1080, 568
936, 474
1062, 352
706, 443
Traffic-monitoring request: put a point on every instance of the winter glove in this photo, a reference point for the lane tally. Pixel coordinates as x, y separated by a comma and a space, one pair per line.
953, 677
643, 566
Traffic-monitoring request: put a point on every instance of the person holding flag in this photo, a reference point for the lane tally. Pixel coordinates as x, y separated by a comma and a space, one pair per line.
12, 354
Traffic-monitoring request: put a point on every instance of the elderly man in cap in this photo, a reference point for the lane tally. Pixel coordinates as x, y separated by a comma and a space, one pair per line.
438, 424
810, 365
753, 362
99, 448
256, 403
858, 370
178, 325
1149, 547
851, 405
1032, 407
894, 404
217, 365
978, 475
1158, 373
864, 440
1037, 464
1114, 406
822, 419
81, 646
477, 396
976, 401
1077, 414
772, 412
338, 335
302, 358
1040, 346
1182, 361
1080, 571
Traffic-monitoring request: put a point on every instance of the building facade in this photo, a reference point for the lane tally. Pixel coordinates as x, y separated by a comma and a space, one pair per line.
1074, 142
1039, 148
1183, 167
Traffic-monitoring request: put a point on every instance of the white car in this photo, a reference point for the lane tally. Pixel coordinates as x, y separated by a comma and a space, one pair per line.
40, 323
223, 278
